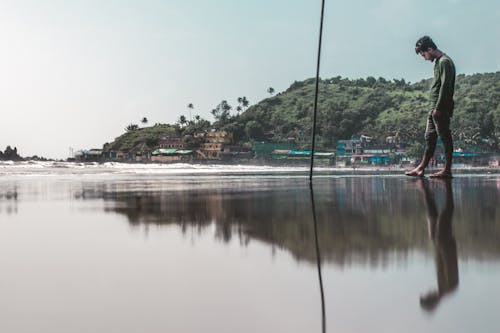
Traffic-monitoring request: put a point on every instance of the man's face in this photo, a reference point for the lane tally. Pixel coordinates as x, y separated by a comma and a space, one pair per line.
427, 55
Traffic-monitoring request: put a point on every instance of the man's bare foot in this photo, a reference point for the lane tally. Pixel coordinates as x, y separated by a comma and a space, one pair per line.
415, 172
442, 174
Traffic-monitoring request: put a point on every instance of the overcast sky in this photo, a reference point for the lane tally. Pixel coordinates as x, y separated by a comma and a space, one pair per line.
75, 73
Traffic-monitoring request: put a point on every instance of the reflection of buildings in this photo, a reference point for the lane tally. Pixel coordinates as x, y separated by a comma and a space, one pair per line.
362, 220
445, 247
355, 218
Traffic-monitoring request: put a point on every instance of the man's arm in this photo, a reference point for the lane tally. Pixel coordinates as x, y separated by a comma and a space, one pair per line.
445, 98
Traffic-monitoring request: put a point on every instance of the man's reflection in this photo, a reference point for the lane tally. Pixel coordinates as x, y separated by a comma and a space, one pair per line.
445, 247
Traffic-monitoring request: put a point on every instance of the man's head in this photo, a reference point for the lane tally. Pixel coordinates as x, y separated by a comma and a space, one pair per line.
427, 49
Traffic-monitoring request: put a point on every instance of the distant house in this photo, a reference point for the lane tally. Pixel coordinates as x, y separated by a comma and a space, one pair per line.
140, 153
170, 142
214, 144
302, 155
171, 155
92, 155
267, 149
111, 154
349, 147
362, 151
235, 153
374, 159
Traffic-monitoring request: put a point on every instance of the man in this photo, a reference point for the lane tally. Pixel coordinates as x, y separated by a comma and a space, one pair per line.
438, 121
445, 247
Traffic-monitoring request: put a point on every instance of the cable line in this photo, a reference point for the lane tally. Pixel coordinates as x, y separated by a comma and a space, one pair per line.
313, 139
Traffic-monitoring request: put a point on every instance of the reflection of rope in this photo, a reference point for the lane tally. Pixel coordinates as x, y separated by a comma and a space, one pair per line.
318, 260
316, 90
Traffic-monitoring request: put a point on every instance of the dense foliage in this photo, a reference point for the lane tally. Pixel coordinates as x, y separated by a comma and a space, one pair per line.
374, 107
136, 136
10, 154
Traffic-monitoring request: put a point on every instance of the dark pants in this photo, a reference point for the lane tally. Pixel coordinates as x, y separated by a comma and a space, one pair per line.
438, 126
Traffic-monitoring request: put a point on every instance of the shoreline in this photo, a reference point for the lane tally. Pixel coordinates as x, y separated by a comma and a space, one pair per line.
62, 167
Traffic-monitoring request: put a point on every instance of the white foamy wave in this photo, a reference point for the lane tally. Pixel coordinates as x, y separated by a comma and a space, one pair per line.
93, 168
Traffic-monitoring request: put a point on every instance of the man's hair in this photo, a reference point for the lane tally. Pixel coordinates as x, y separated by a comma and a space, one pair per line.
424, 44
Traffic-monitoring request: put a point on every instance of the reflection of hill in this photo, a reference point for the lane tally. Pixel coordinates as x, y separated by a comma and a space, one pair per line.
8, 200
359, 219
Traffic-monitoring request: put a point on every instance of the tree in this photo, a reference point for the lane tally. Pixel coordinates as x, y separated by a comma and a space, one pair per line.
222, 113
182, 120
415, 150
243, 103
192, 142
270, 90
370, 80
131, 127
190, 107
10, 154
254, 130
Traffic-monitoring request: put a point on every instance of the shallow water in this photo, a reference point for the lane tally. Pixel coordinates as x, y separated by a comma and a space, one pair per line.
139, 251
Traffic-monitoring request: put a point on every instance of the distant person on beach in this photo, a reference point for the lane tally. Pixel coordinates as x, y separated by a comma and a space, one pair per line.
445, 247
441, 97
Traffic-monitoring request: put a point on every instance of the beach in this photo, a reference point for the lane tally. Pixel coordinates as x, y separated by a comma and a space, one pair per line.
210, 248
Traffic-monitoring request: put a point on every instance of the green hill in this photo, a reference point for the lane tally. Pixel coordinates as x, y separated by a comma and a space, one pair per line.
373, 107
147, 135
346, 108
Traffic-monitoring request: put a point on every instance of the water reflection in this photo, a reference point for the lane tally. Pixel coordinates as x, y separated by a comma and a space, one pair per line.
318, 258
374, 221
8, 200
74, 248
445, 247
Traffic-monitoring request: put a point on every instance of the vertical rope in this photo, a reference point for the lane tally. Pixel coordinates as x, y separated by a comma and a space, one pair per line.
313, 139
318, 260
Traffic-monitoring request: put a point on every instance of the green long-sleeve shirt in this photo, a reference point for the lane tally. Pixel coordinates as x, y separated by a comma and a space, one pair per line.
443, 86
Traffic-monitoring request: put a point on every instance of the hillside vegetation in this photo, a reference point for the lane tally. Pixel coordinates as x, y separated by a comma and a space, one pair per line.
346, 108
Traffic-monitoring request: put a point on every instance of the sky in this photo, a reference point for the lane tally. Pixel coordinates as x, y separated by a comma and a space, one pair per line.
75, 73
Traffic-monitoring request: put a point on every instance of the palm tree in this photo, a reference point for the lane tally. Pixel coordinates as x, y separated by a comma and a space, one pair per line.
182, 120
243, 101
190, 107
270, 90
131, 127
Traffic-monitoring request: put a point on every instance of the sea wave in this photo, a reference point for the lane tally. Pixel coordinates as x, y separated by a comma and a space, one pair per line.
59, 167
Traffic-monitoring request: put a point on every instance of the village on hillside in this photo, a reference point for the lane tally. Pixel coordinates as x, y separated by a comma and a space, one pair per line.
218, 146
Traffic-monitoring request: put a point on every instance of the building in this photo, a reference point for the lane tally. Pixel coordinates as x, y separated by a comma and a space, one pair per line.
303, 156
171, 155
92, 155
214, 143
170, 142
267, 149
140, 153
362, 151
349, 147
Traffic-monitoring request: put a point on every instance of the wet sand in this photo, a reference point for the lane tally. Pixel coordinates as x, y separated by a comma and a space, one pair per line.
117, 252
